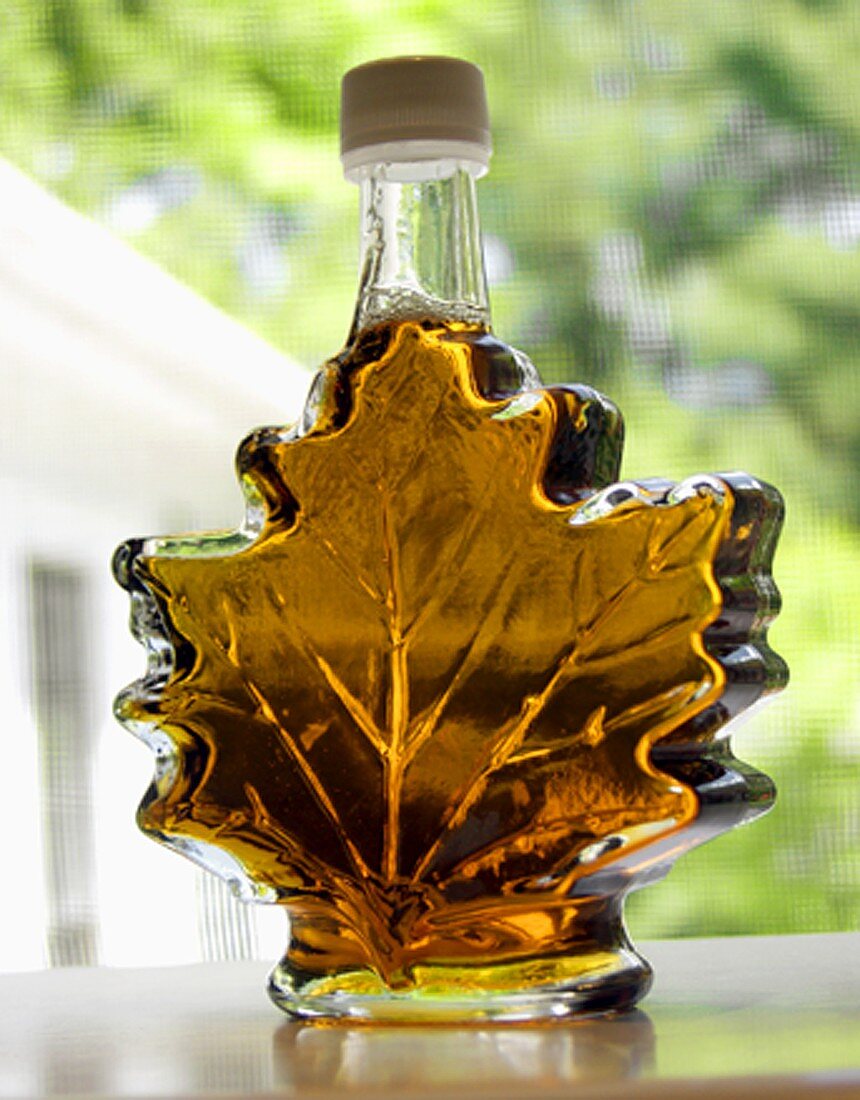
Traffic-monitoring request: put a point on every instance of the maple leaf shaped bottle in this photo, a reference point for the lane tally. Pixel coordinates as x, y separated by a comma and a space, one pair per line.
450, 691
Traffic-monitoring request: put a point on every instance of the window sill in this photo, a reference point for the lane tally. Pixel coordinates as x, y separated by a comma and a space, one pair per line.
740, 1017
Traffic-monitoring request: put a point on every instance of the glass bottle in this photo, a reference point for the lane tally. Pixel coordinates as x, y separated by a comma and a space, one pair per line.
451, 690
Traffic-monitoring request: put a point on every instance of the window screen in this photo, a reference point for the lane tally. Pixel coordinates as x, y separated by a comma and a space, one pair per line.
672, 215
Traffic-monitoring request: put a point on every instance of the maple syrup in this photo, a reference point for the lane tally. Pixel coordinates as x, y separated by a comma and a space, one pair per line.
452, 689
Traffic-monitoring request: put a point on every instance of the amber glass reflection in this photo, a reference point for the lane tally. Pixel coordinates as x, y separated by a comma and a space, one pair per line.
421, 697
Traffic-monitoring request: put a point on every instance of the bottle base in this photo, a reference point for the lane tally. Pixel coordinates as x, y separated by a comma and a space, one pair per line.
527, 992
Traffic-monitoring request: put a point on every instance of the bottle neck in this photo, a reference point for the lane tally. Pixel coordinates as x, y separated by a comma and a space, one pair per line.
421, 254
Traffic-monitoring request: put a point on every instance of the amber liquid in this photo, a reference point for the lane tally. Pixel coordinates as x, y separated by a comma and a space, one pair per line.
416, 703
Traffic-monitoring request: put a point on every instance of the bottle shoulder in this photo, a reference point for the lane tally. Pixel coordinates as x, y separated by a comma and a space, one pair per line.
457, 359
498, 369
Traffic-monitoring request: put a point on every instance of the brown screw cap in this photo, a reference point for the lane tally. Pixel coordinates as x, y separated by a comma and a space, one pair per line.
436, 104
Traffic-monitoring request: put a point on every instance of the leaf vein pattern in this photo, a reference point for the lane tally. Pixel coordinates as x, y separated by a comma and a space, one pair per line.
276, 836
450, 566
349, 573
418, 450
354, 707
498, 756
426, 725
311, 778
397, 703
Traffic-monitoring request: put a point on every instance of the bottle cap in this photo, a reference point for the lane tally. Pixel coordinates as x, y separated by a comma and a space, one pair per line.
414, 109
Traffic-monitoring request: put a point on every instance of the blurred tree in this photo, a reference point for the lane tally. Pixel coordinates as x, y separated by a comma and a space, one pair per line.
673, 214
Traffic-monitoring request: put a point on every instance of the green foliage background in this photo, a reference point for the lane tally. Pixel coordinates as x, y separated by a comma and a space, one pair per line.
673, 214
